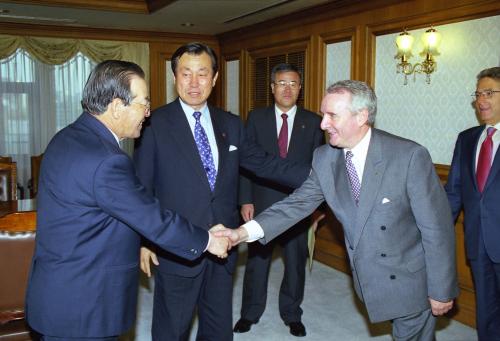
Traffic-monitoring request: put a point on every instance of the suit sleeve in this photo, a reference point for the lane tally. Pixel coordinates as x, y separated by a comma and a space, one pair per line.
319, 137
119, 193
270, 167
453, 184
245, 185
284, 214
432, 213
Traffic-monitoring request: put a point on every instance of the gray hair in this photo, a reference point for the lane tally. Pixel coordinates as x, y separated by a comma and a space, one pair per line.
363, 96
110, 79
492, 72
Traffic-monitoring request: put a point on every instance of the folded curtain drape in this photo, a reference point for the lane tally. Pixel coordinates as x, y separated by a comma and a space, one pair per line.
55, 51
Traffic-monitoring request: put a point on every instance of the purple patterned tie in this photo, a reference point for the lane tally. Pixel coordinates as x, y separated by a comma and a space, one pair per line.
353, 176
201, 139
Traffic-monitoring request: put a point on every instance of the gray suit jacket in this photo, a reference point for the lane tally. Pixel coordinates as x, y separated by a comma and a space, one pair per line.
400, 240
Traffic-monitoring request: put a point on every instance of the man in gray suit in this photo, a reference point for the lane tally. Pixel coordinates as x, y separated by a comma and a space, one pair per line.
397, 222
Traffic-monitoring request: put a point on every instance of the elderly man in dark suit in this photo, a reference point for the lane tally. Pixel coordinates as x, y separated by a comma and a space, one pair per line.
397, 222
91, 212
474, 185
189, 157
292, 133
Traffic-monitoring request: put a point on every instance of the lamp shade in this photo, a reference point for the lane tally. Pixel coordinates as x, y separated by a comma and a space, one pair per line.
404, 42
431, 40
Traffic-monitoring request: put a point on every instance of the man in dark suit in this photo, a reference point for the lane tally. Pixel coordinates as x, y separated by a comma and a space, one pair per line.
474, 185
189, 157
397, 222
91, 212
292, 133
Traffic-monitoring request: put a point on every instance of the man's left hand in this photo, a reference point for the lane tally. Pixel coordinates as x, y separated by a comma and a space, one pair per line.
440, 308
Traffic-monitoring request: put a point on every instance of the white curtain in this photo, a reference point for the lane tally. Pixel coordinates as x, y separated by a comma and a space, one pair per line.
36, 101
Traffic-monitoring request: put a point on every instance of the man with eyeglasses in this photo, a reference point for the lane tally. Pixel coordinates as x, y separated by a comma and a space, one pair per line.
292, 133
474, 185
92, 211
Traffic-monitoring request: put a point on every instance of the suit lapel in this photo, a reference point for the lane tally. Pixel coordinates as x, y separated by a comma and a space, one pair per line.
220, 137
470, 153
269, 133
183, 136
370, 185
343, 193
495, 167
298, 130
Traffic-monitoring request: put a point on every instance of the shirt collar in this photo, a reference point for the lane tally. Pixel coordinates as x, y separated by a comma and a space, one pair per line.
361, 149
290, 112
188, 110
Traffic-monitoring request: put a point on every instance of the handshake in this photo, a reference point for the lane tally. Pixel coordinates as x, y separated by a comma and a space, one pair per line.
223, 239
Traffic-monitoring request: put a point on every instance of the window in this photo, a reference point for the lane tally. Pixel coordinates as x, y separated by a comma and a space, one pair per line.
36, 101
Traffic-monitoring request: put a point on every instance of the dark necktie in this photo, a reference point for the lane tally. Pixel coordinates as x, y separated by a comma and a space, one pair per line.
283, 137
353, 176
484, 160
207, 159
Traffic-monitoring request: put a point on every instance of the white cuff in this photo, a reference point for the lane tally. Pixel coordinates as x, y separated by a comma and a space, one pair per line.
254, 231
209, 239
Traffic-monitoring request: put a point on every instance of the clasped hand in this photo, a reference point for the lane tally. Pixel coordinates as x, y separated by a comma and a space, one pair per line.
223, 239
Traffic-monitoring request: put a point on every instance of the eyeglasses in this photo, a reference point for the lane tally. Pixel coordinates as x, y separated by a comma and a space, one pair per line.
282, 84
484, 93
147, 107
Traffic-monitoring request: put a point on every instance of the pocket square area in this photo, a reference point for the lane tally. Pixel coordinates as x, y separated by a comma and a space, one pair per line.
385, 201
231, 148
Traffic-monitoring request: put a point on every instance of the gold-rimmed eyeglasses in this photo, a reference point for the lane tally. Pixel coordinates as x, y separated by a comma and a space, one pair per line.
484, 93
147, 106
282, 84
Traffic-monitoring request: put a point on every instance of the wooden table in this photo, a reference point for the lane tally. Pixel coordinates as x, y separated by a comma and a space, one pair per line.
18, 215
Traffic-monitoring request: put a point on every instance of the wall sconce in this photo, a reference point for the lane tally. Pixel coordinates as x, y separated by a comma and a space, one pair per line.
430, 40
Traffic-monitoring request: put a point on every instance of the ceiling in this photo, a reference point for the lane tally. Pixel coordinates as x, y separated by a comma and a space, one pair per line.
205, 16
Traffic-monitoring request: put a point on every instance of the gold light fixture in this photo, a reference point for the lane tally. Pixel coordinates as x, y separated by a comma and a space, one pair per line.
430, 40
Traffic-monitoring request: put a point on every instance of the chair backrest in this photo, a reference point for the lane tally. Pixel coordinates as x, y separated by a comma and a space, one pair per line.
5, 159
16, 252
36, 162
8, 181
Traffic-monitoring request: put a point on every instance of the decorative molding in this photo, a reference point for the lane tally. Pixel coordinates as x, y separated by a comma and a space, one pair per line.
129, 6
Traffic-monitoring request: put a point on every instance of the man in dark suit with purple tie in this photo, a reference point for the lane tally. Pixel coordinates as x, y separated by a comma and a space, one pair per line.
92, 211
474, 185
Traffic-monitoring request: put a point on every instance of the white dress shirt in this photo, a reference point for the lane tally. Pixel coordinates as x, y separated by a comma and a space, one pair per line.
495, 138
279, 120
206, 123
360, 151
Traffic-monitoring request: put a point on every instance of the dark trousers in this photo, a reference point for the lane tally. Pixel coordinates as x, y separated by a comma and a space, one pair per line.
295, 252
177, 297
486, 276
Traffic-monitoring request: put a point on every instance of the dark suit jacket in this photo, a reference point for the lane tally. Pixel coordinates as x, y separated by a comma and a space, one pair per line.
91, 209
481, 211
261, 127
169, 166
